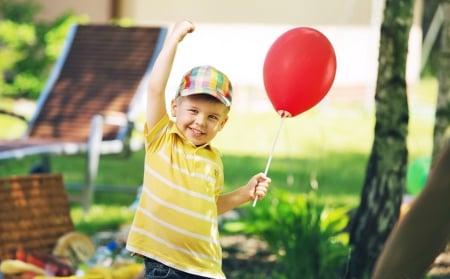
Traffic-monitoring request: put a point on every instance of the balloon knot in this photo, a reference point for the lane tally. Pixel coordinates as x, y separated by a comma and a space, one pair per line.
284, 114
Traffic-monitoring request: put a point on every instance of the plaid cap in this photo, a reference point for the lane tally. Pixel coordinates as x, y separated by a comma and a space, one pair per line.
206, 80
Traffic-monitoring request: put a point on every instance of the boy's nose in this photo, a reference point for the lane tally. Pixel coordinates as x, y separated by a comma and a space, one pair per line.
200, 119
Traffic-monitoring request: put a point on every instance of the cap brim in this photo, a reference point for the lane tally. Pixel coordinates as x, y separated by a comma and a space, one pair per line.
219, 96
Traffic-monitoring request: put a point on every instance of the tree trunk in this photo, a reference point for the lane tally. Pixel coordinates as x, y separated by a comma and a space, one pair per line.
442, 115
386, 170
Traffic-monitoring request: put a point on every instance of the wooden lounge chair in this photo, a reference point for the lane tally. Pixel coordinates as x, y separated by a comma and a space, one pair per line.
92, 97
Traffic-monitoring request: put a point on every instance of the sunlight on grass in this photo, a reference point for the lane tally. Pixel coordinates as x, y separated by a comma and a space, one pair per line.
422, 103
424, 92
12, 127
317, 131
101, 217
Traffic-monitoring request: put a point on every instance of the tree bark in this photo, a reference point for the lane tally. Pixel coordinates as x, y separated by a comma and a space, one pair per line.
386, 170
442, 115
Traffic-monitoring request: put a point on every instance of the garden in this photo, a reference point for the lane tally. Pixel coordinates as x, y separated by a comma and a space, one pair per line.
317, 173
318, 167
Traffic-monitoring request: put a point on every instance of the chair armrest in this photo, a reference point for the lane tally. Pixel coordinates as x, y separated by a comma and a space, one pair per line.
114, 118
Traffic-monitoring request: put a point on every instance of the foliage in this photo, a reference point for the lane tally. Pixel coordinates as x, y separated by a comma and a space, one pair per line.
308, 237
21, 11
28, 48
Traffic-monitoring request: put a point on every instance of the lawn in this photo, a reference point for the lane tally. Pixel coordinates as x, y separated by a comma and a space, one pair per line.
326, 147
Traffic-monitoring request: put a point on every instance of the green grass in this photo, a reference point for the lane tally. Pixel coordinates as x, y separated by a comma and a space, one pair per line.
330, 143
101, 218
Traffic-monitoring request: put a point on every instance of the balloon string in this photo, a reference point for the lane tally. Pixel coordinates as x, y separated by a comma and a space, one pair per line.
271, 153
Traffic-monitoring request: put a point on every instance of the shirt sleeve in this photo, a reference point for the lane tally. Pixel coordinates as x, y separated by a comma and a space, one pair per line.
151, 135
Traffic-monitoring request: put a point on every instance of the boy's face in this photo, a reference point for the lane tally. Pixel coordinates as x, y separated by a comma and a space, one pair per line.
199, 117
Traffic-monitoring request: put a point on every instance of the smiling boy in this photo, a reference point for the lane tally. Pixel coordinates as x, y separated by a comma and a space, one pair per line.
175, 227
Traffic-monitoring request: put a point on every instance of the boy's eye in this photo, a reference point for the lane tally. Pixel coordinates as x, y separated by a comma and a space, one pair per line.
213, 117
192, 110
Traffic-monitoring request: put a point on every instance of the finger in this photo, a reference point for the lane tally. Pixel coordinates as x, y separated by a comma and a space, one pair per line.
263, 178
263, 185
261, 189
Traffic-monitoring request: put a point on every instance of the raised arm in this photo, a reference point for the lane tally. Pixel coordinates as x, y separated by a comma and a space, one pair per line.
156, 103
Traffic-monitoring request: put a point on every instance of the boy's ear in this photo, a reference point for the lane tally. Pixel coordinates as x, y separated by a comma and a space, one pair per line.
223, 123
173, 107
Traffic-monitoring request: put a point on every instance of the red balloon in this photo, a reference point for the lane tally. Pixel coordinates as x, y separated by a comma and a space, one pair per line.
299, 70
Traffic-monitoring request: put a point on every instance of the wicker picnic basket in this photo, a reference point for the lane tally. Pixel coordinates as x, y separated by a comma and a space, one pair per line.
34, 213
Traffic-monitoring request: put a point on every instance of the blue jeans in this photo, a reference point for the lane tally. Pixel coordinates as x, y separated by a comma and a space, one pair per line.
157, 270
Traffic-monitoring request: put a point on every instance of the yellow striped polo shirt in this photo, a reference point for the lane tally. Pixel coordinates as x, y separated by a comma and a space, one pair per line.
176, 220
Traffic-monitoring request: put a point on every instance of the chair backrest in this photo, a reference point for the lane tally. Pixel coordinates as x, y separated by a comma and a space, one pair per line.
101, 70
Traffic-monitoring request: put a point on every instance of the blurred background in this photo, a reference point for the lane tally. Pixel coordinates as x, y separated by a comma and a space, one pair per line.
236, 35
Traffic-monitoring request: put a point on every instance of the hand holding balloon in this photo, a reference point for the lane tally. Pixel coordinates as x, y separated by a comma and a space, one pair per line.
299, 70
258, 185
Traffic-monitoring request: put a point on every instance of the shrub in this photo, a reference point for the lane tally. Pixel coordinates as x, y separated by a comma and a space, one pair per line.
308, 238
